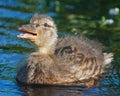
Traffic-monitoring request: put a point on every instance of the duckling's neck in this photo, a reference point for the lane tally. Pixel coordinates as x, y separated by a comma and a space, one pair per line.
46, 42
46, 50
48, 47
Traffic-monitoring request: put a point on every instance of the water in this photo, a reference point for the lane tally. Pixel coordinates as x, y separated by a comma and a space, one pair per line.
71, 18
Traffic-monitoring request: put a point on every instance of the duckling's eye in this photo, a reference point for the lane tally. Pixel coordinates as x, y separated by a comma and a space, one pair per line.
46, 25
37, 25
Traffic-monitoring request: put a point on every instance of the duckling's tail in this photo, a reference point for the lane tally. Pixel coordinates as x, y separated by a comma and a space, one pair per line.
108, 58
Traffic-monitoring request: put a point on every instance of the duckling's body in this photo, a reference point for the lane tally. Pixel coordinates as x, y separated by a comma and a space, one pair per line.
68, 60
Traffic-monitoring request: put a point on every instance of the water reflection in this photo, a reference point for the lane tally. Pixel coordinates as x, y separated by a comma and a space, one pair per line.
80, 17
55, 91
68, 91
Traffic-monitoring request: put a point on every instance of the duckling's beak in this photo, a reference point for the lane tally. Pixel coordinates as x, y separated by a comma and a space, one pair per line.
28, 32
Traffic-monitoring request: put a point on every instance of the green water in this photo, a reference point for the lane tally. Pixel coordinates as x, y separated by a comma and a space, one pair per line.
72, 17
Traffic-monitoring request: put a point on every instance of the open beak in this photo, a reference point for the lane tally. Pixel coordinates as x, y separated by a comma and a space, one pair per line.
28, 32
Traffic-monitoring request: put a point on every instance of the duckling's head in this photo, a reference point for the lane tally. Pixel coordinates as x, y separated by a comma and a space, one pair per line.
42, 32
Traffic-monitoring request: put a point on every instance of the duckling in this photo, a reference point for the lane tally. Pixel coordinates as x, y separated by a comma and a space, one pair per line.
64, 61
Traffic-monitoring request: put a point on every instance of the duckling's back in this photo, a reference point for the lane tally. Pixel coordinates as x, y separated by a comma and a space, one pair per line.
82, 57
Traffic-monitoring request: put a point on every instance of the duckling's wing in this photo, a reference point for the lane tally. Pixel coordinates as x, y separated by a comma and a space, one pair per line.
83, 56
